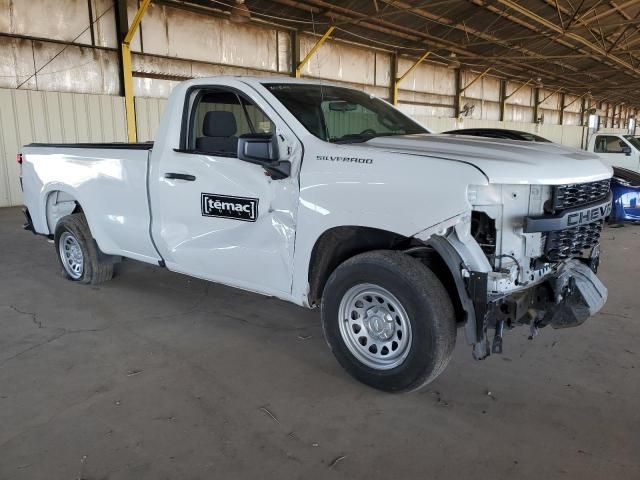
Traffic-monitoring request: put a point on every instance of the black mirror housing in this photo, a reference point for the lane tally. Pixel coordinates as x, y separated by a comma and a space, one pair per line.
626, 150
258, 148
262, 148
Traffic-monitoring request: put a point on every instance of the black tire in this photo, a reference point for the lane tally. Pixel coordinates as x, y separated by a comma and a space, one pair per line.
424, 299
95, 270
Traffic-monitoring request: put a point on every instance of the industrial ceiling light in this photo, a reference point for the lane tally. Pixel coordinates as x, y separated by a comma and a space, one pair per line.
240, 12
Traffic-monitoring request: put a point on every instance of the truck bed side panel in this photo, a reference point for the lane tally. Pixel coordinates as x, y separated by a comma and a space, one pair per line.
109, 184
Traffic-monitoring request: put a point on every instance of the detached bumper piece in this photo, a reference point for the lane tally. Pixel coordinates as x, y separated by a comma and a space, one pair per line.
566, 299
579, 294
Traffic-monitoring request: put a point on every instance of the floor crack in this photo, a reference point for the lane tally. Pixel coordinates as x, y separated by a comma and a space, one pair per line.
34, 317
52, 339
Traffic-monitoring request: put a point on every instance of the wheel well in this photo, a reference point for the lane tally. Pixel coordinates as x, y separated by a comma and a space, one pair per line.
437, 264
341, 243
60, 204
338, 244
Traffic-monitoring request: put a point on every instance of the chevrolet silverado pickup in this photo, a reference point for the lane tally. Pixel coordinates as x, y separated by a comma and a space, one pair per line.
616, 149
329, 197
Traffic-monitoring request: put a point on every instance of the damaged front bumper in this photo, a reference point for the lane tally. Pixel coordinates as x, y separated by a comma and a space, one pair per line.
566, 298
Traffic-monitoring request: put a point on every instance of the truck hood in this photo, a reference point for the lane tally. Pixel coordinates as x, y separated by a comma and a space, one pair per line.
503, 161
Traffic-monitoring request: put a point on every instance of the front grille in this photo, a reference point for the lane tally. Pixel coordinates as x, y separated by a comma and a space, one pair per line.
577, 194
571, 242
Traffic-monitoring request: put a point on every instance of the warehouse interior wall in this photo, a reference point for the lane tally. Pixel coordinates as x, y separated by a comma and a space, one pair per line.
60, 77
74, 49
28, 116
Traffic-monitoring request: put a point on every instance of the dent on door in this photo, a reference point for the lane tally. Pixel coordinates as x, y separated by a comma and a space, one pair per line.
238, 227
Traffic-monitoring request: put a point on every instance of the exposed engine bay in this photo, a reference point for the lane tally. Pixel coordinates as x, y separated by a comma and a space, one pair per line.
539, 268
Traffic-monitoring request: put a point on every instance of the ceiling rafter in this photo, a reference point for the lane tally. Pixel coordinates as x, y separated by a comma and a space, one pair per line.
562, 37
582, 45
341, 13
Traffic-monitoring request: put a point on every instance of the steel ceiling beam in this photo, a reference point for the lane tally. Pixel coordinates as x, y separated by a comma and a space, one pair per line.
570, 35
511, 67
336, 12
552, 37
611, 11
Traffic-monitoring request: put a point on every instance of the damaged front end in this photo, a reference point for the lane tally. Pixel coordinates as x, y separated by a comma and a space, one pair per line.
566, 298
528, 255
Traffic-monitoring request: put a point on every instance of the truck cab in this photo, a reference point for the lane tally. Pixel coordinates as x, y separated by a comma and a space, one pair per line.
616, 149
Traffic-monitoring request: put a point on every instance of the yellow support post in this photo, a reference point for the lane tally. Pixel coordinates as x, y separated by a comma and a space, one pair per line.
129, 103
549, 96
313, 50
394, 94
518, 89
475, 80
574, 101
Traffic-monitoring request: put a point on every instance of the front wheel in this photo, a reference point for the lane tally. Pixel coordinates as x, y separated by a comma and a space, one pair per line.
388, 320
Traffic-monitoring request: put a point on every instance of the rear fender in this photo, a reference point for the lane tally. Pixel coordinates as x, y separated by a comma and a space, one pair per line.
58, 204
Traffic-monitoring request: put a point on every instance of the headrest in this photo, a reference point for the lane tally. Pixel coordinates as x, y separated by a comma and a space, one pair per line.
219, 124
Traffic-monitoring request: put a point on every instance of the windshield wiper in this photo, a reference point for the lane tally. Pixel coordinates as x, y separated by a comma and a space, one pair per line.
359, 137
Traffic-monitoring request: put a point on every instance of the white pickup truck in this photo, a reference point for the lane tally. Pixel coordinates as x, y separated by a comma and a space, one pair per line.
617, 149
326, 196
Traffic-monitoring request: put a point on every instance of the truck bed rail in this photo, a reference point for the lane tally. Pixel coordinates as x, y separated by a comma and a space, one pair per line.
112, 146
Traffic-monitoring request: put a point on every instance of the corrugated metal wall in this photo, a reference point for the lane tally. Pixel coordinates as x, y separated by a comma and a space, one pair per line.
148, 114
33, 116
173, 43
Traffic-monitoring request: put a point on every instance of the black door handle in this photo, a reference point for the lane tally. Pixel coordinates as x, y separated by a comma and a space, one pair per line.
180, 176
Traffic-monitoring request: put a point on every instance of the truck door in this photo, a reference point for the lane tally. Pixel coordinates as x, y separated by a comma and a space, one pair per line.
217, 217
615, 151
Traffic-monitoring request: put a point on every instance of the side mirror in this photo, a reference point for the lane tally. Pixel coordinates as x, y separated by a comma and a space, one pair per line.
262, 149
626, 150
258, 148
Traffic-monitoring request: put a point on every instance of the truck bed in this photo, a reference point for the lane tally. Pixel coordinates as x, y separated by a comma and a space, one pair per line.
107, 181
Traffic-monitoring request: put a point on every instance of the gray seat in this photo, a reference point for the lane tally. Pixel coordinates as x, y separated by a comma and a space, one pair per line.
219, 129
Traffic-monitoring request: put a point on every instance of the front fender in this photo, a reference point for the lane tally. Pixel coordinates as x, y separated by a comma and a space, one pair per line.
395, 193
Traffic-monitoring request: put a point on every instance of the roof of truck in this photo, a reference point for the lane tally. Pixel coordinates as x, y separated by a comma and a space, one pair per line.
254, 80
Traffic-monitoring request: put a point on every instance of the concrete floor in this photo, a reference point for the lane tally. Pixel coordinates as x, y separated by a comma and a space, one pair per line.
155, 375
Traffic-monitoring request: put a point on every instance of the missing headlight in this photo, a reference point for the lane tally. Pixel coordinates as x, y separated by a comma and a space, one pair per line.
483, 230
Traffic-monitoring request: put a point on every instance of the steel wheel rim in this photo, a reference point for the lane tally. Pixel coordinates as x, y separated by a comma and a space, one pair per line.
71, 255
374, 326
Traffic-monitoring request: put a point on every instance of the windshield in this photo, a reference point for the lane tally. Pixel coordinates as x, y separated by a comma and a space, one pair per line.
530, 137
633, 140
342, 115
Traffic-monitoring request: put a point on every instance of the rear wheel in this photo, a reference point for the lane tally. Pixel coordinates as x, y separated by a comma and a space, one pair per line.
78, 252
388, 320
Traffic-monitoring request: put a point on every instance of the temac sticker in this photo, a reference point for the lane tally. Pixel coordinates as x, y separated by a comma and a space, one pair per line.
226, 206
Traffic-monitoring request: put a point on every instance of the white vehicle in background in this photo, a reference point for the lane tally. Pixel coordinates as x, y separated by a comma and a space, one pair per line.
617, 149
328, 197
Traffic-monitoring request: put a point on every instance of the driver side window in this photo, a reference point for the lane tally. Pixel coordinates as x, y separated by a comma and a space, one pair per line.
218, 117
608, 144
